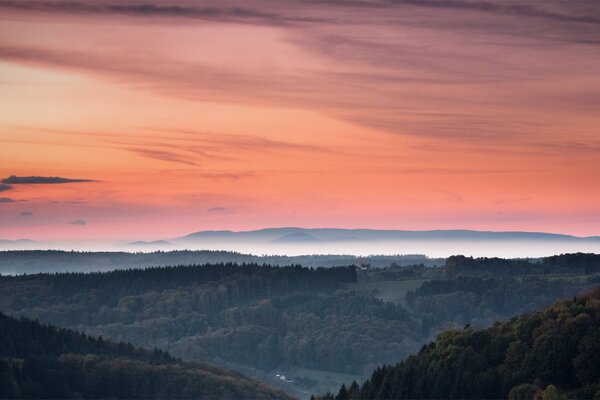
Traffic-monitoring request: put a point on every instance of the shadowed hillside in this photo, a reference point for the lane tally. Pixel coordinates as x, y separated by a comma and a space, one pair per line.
549, 354
42, 361
318, 327
40, 261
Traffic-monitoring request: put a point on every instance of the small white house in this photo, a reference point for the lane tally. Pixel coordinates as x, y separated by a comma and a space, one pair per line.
282, 377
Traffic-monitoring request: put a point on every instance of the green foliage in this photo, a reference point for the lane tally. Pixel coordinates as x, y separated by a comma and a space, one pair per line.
273, 317
47, 261
550, 354
481, 301
250, 315
41, 361
575, 263
268, 318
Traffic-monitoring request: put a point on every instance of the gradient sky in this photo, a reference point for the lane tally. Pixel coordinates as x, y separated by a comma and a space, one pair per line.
404, 114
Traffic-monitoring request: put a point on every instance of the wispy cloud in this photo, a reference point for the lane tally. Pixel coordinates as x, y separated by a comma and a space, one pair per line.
365, 98
514, 200
26, 213
220, 210
451, 196
226, 142
292, 11
6, 200
223, 13
389, 50
162, 155
507, 8
225, 175
80, 222
384, 92
453, 171
40, 180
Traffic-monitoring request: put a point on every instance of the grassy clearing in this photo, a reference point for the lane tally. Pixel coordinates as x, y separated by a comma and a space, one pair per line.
393, 291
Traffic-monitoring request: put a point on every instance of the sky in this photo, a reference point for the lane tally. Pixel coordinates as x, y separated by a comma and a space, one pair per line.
156, 118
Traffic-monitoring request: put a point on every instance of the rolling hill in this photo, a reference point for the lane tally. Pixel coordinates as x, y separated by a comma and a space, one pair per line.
291, 234
434, 243
553, 353
43, 361
318, 327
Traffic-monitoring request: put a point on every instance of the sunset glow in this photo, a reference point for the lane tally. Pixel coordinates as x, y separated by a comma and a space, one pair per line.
189, 116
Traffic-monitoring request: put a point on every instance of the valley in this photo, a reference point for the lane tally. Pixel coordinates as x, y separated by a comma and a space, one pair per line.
319, 327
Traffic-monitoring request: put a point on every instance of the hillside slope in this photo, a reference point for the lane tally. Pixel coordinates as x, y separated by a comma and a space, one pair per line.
42, 361
50, 261
319, 327
549, 354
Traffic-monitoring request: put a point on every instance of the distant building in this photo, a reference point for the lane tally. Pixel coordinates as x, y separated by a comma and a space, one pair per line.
363, 264
283, 378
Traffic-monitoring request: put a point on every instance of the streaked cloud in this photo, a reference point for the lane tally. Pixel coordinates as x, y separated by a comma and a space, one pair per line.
40, 180
162, 155
380, 113
220, 210
221, 12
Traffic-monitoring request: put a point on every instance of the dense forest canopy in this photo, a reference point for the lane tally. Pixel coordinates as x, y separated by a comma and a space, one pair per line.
45, 362
309, 323
577, 263
16, 262
549, 354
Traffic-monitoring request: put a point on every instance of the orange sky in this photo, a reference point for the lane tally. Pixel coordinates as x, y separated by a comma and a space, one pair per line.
222, 115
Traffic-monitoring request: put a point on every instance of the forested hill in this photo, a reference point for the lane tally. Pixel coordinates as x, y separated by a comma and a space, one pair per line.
318, 327
42, 361
550, 354
575, 263
38, 261
245, 280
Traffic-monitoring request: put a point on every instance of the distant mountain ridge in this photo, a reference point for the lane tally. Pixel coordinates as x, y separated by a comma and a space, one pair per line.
302, 235
296, 241
143, 243
25, 241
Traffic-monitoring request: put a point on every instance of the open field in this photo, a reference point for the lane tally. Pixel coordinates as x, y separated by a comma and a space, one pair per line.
393, 291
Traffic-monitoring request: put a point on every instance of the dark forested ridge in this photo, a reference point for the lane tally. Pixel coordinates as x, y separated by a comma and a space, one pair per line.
482, 301
549, 354
254, 315
320, 327
42, 361
576, 263
16, 262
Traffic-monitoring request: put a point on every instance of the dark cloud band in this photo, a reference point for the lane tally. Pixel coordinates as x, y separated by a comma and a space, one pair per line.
38, 180
237, 14
244, 14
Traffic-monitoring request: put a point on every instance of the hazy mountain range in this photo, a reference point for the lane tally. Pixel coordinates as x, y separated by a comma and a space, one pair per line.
305, 235
433, 243
293, 241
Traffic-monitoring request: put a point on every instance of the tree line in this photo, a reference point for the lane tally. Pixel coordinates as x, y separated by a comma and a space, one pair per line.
44, 362
550, 354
